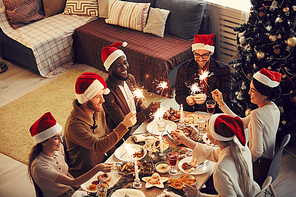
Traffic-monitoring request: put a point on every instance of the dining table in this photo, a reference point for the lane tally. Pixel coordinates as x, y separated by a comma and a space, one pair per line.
153, 191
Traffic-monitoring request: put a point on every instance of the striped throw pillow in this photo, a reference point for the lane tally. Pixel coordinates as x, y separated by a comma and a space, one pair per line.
81, 7
128, 14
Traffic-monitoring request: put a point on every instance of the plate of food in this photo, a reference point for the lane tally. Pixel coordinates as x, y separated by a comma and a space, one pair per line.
155, 180
172, 114
177, 181
156, 145
189, 131
130, 152
193, 118
153, 129
162, 167
127, 169
185, 166
90, 185
128, 192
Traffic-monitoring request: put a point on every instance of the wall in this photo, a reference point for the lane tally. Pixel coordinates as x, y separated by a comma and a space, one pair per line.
1, 3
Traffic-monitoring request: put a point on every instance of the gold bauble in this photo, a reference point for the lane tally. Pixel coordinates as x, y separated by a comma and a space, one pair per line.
291, 42
277, 51
260, 55
249, 75
261, 14
286, 9
294, 7
272, 38
248, 111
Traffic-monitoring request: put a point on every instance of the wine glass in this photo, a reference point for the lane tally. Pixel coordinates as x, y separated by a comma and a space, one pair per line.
149, 141
211, 104
201, 125
173, 158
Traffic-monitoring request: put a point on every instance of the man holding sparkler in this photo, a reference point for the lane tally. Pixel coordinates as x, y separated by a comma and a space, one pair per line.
124, 95
202, 74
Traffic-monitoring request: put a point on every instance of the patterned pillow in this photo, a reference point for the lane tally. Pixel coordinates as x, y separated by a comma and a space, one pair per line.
128, 14
22, 12
81, 7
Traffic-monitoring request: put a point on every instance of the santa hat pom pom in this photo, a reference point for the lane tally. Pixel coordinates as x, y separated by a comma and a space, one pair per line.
124, 44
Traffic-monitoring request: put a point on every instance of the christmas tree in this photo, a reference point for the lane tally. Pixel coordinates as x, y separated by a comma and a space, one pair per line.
268, 41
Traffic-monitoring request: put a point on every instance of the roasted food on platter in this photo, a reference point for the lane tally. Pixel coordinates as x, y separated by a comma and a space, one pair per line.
172, 114
139, 154
178, 183
156, 145
188, 132
106, 178
128, 168
154, 179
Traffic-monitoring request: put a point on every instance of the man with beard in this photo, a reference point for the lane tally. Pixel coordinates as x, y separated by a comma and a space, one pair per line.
87, 135
190, 74
121, 83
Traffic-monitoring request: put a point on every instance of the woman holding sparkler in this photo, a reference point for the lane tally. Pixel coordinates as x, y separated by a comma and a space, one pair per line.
202, 74
124, 95
263, 122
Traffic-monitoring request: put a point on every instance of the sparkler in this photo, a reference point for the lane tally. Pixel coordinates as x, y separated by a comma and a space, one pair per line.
194, 88
158, 115
138, 94
163, 85
203, 76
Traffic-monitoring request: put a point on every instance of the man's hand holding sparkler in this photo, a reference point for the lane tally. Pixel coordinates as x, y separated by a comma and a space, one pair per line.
200, 98
152, 108
217, 96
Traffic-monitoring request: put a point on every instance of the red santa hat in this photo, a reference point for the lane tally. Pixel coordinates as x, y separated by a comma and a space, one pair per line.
44, 128
111, 53
265, 80
88, 85
224, 128
203, 42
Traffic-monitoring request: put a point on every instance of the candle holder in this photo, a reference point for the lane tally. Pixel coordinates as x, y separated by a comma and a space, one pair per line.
137, 183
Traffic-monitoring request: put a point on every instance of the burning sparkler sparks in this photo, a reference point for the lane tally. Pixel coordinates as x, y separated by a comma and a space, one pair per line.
163, 85
138, 93
158, 115
204, 76
194, 89
130, 151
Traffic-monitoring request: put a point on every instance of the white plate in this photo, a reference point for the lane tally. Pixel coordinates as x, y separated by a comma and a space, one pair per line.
207, 140
129, 192
153, 129
122, 154
199, 170
160, 185
94, 178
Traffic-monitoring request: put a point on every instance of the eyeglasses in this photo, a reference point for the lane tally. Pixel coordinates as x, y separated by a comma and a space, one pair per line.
204, 56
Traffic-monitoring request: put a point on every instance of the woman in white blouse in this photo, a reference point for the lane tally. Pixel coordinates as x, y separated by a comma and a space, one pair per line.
263, 122
232, 174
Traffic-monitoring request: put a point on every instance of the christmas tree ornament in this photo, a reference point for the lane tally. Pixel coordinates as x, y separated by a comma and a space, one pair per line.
279, 36
249, 75
286, 9
242, 40
261, 14
283, 76
254, 66
248, 111
278, 20
269, 68
277, 49
291, 42
274, 5
260, 55
268, 28
294, 7
272, 38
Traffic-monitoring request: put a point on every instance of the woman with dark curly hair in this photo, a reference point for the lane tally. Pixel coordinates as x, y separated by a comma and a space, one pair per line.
263, 122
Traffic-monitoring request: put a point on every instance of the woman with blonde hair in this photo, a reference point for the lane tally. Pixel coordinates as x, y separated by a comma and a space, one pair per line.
47, 166
232, 174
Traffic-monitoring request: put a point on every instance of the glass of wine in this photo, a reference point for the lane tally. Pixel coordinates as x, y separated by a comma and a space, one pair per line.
173, 158
149, 142
211, 104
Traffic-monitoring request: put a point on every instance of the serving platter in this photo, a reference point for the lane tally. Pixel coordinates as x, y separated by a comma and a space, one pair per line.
122, 153
153, 129
201, 169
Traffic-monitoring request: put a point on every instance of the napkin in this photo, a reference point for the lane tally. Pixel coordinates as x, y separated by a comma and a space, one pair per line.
138, 138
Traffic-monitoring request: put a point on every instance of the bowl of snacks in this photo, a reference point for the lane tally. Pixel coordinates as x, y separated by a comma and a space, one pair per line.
162, 167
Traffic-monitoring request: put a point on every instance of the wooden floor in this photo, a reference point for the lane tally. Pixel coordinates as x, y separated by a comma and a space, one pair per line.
14, 182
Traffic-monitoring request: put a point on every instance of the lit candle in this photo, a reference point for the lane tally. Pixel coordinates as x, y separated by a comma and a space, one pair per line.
136, 171
160, 144
181, 114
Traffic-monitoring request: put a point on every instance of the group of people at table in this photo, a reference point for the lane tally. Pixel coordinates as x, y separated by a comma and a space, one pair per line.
105, 112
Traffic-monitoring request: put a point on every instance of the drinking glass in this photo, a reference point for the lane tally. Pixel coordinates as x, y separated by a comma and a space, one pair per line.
211, 104
161, 124
149, 141
173, 158
201, 123
102, 190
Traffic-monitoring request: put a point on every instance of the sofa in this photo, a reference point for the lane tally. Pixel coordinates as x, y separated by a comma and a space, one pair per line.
154, 54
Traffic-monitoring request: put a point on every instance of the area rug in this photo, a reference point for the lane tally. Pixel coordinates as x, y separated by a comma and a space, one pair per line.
17, 116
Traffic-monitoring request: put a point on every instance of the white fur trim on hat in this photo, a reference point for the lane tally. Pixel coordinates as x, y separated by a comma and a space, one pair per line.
91, 91
265, 80
212, 129
48, 133
203, 46
112, 57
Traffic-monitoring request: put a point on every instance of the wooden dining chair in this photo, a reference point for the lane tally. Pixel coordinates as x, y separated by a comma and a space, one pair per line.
275, 165
265, 185
65, 148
